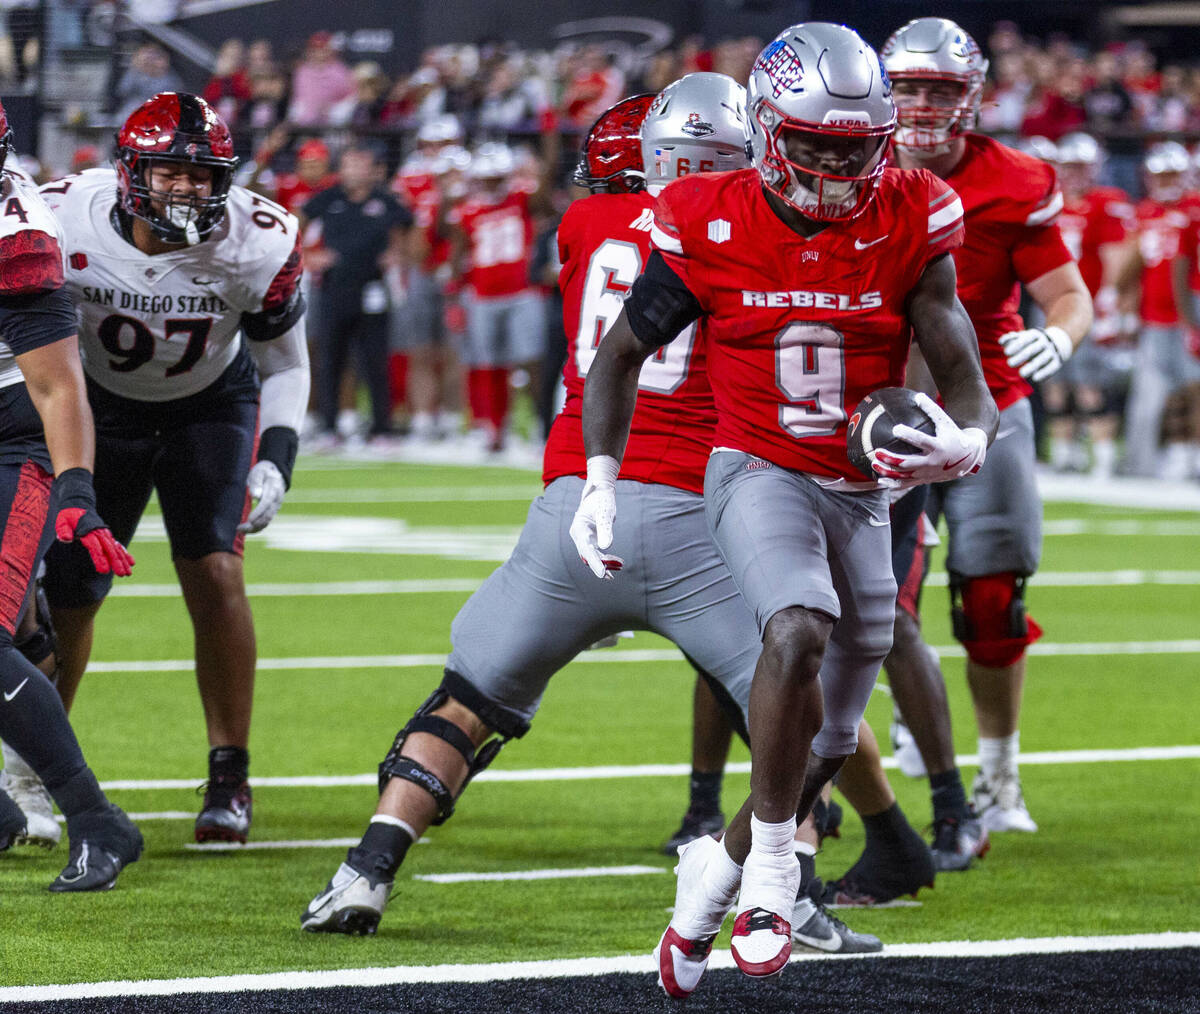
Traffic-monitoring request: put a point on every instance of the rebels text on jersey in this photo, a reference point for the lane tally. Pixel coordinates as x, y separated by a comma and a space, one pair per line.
161, 327
1010, 203
31, 262
799, 330
1101, 216
603, 243
1160, 235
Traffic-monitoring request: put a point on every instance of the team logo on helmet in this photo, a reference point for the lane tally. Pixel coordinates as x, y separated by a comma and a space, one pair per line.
696, 126
782, 67
962, 46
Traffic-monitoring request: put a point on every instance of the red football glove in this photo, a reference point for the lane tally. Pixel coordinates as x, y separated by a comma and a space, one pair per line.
77, 520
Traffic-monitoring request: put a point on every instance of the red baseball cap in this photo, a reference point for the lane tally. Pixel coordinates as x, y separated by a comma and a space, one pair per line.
313, 149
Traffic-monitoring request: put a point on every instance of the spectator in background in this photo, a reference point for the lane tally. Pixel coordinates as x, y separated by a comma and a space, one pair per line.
1055, 107
86, 156
260, 58
364, 108
363, 232
594, 86
510, 100
1112, 116
228, 90
1003, 106
149, 73
1141, 80
1169, 110
268, 101
319, 82
311, 177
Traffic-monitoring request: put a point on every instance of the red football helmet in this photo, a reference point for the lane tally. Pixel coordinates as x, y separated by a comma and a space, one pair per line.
611, 161
6, 137
179, 128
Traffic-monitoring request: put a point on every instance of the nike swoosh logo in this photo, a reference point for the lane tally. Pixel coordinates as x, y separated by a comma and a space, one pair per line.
860, 245
955, 464
203, 281
1006, 433
9, 696
829, 943
877, 524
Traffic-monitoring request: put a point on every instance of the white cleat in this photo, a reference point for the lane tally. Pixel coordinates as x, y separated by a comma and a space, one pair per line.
682, 953
762, 932
904, 750
22, 784
1001, 805
815, 928
351, 903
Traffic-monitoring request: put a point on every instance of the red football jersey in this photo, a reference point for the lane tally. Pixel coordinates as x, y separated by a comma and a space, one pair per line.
798, 331
1102, 215
292, 192
1010, 201
1189, 241
500, 239
1160, 229
603, 243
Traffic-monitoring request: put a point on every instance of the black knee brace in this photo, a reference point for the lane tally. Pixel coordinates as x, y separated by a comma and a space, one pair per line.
40, 643
506, 724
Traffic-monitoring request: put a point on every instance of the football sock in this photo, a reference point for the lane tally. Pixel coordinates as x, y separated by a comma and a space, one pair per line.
33, 722
228, 763
478, 395
386, 841
999, 756
705, 793
887, 828
949, 797
498, 395
806, 856
397, 379
722, 876
79, 796
772, 839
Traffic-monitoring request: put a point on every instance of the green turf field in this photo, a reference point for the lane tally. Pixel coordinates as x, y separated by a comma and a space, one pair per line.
1116, 852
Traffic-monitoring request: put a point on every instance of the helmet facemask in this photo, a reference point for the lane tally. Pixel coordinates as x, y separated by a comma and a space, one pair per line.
174, 217
929, 128
826, 173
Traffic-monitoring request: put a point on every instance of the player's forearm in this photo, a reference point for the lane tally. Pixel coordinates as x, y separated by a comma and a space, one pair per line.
61, 401
610, 392
1073, 312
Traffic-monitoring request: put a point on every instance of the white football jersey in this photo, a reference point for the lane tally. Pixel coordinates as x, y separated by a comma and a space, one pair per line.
21, 210
156, 328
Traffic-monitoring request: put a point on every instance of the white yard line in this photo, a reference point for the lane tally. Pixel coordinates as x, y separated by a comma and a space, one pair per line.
416, 586
584, 872
557, 969
619, 656
1143, 753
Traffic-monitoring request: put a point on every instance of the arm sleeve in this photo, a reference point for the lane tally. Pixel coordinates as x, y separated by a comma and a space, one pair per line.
28, 322
660, 304
30, 261
283, 366
283, 304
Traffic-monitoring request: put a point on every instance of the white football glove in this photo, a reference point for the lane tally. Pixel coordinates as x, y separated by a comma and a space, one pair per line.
949, 453
592, 527
1038, 352
265, 485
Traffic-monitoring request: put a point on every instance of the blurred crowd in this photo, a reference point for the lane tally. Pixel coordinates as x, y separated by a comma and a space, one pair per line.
458, 315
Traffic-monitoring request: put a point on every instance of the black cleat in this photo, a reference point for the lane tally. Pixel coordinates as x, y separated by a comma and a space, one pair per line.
100, 848
883, 873
228, 806
693, 826
12, 822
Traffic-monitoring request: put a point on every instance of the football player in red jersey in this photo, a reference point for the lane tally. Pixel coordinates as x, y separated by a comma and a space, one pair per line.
1010, 202
1094, 223
798, 326
1163, 364
47, 448
540, 609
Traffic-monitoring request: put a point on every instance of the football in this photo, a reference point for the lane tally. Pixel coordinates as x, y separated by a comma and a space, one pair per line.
872, 421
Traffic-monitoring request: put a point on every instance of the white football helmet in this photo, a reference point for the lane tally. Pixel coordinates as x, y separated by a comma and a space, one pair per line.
1167, 166
819, 115
696, 124
492, 160
929, 50
1079, 159
1039, 147
443, 129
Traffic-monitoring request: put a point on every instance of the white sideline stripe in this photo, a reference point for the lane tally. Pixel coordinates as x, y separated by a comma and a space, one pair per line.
608, 656
1141, 753
557, 969
564, 874
938, 579
261, 846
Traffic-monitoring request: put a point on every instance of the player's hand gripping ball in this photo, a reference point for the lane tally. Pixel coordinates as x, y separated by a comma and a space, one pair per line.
871, 424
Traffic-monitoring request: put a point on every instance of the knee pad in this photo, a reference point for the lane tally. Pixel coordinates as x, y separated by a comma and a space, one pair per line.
506, 724
988, 616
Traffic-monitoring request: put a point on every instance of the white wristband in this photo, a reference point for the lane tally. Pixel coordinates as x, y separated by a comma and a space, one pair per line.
602, 470
1062, 341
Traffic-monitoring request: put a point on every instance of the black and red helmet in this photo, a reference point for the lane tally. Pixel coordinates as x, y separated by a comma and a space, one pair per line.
611, 161
181, 128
